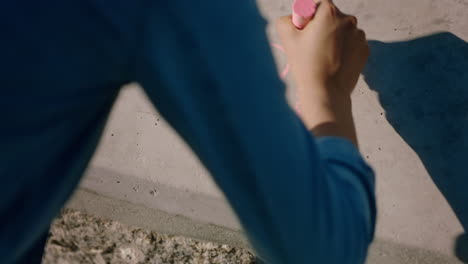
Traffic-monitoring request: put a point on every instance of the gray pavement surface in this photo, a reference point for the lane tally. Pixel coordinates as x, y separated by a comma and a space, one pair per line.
78, 237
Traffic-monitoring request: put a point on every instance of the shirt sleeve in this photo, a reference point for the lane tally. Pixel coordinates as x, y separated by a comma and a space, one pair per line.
208, 68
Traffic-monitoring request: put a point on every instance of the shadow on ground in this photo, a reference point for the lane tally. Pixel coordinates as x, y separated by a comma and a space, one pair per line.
423, 86
388, 252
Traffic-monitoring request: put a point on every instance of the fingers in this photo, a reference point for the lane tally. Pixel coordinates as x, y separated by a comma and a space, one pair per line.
361, 37
327, 14
351, 20
326, 11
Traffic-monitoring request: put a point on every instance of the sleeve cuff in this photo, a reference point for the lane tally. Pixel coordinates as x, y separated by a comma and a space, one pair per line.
341, 152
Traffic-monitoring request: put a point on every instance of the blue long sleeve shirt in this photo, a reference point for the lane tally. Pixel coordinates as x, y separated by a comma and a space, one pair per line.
207, 67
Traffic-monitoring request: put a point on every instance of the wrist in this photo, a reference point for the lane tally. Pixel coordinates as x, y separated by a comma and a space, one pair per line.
320, 110
326, 111
324, 102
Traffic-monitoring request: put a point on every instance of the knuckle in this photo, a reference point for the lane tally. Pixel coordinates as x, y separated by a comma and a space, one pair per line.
331, 10
349, 21
361, 34
328, 8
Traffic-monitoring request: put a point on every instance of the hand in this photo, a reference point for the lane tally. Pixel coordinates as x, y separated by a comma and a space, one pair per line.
329, 50
326, 58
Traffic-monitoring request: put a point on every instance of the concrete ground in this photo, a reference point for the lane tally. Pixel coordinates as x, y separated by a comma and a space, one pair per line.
77, 237
412, 121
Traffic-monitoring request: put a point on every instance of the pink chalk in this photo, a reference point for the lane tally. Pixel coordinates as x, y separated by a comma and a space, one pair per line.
302, 12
